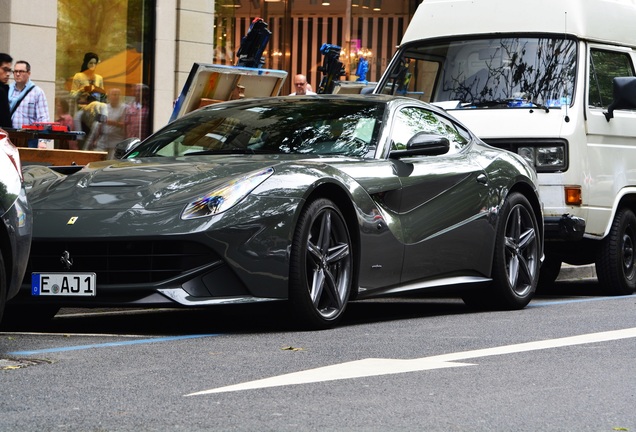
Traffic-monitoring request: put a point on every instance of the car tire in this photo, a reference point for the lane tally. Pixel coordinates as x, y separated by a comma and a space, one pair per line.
516, 259
321, 266
3, 286
615, 262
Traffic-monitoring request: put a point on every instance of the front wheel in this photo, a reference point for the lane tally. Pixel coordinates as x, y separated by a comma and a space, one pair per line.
321, 266
516, 258
615, 266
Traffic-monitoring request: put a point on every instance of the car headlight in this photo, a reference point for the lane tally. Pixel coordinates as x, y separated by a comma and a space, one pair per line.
225, 196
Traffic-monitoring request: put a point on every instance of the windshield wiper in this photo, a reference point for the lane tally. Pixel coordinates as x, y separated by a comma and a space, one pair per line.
488, 103
508, 103
541, 106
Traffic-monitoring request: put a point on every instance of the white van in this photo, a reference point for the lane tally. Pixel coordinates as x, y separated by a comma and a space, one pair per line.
553, 80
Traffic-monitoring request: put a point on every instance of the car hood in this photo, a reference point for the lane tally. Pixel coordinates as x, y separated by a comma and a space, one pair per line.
137, 183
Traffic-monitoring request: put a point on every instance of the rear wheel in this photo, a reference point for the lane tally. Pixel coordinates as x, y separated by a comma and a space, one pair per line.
321, 266
516, 258
615, 266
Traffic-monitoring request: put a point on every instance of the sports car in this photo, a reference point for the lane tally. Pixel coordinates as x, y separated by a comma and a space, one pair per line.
316, 200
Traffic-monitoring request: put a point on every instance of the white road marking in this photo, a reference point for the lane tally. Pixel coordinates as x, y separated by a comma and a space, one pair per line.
375, 367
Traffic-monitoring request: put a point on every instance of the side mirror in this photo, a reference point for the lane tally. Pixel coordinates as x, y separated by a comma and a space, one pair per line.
123, 147
624, 95
423, 144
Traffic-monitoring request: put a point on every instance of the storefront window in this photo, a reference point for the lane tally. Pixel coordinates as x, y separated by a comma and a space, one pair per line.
377, 27
104, 58
367, 30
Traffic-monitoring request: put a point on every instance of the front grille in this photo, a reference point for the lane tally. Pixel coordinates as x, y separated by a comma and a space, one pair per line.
120, 262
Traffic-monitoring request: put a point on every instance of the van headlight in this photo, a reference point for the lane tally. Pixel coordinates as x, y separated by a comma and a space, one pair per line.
545, 157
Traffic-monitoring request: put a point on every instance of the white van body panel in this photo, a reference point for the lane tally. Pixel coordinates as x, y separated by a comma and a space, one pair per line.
583, 18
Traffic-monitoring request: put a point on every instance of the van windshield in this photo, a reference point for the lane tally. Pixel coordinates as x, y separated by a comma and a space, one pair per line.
507, 72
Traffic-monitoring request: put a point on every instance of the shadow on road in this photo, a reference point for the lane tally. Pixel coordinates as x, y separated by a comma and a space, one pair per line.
252, 318
263, 317
574, 288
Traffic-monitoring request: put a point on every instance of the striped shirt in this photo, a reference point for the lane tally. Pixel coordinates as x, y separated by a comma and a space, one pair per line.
33, 107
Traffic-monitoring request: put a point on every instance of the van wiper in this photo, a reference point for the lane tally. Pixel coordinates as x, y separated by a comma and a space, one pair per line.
487, 103
541, 106
508, 103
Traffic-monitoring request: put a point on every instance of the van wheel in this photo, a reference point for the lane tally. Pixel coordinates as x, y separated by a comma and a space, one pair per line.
615, 262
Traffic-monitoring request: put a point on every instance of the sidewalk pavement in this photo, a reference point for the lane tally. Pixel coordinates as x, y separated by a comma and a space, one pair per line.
570, 273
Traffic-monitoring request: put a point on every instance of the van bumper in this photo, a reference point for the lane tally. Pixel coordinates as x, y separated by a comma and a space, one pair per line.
564, 227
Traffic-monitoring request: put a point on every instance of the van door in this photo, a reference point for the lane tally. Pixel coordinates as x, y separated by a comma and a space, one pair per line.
611, 145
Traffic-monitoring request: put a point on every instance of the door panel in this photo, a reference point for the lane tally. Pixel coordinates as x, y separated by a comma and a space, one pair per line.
444, 220
444, 201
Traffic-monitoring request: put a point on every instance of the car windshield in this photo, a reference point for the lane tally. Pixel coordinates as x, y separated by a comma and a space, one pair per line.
275, 126
507, 72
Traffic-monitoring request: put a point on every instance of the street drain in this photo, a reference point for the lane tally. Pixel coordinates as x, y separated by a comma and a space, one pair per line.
17, 363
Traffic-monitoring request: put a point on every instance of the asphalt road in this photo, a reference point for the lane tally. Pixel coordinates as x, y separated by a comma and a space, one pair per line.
564, 363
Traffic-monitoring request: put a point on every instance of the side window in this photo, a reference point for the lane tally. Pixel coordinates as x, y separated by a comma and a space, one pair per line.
412, 120
414, 78
604, 67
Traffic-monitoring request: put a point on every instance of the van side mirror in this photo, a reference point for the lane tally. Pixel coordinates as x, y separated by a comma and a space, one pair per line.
624, 95
423, 144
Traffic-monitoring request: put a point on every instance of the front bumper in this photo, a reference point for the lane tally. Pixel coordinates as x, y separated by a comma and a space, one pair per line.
564, 227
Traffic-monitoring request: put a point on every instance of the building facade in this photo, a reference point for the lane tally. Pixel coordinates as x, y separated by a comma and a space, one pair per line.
153, 43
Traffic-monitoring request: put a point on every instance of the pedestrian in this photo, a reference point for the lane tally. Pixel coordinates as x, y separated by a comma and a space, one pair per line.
300, 84
63, 117
112, 126
26, 100
5, 73
137, 114
87, 81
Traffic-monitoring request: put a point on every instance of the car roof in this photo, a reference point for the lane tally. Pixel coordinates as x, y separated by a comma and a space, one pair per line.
371, 98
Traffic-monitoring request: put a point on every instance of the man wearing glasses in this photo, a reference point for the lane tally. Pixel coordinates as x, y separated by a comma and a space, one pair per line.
26, 100
5, 74
301, 86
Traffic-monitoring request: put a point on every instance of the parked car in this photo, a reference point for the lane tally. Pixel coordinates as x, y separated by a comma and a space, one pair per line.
316, 200
15, 230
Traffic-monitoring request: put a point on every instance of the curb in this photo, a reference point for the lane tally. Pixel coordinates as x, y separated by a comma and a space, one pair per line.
571, 273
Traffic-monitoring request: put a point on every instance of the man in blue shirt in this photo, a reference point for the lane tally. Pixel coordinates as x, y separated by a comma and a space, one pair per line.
26, 100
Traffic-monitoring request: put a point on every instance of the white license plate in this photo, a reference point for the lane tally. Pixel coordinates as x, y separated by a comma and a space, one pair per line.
63, 284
